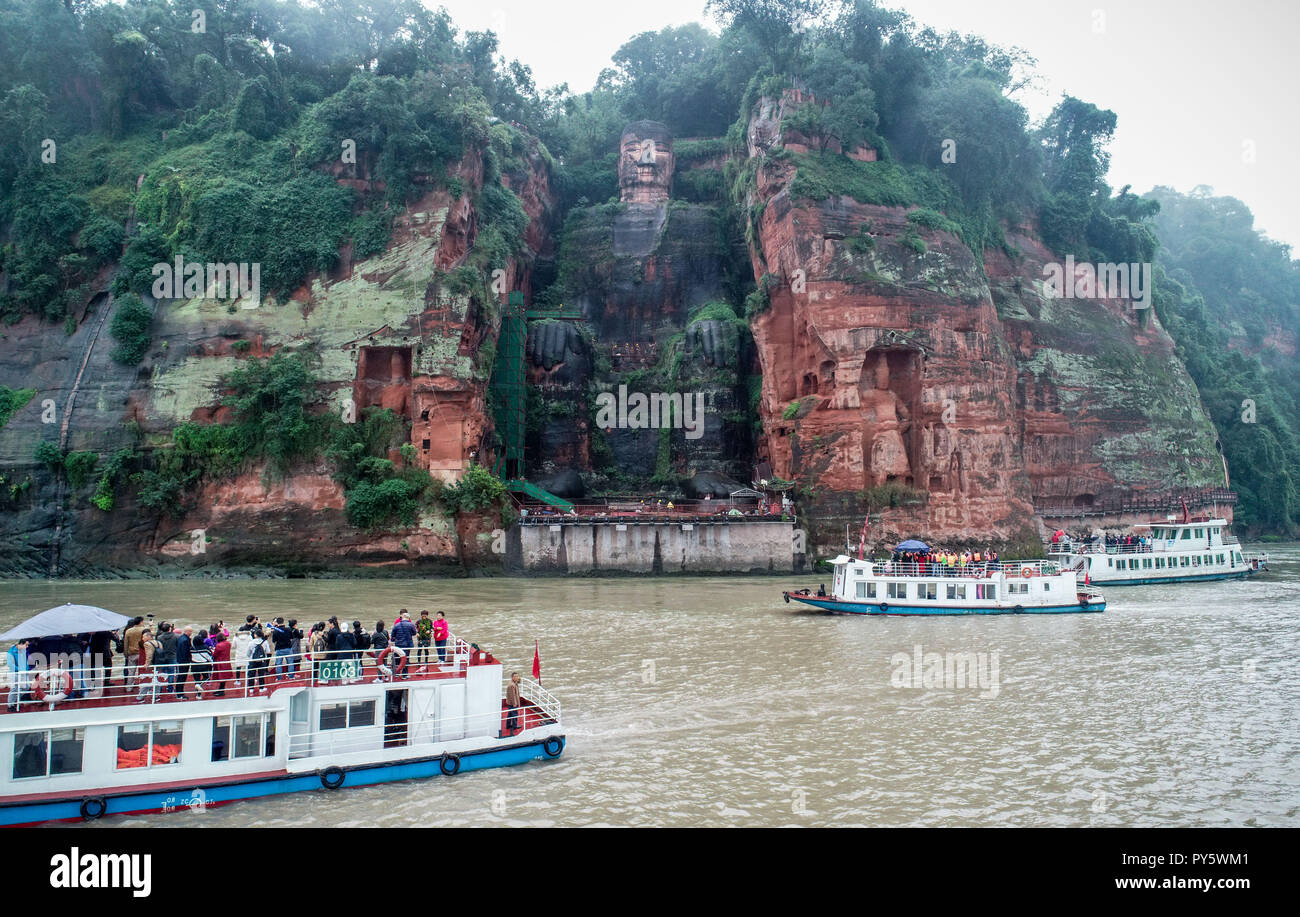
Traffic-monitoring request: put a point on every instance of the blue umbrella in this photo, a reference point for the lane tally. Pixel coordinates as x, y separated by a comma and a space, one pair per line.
912, 545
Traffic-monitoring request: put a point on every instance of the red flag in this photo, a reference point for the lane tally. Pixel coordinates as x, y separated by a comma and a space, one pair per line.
537, 662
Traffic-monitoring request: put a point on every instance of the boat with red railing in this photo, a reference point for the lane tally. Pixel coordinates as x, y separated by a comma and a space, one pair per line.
309, 721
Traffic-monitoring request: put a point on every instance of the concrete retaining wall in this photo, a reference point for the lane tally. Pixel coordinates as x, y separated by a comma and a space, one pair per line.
653, 547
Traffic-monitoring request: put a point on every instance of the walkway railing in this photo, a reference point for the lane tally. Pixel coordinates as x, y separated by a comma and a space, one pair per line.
547, 702
981, 570
71, 680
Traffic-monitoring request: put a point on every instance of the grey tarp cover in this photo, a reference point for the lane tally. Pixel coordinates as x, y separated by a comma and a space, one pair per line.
66, 619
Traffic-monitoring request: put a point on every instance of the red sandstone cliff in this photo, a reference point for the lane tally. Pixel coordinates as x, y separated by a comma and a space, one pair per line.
890, 357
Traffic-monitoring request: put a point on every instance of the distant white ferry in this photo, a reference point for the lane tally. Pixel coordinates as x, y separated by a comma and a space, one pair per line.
893, 588
1195, 549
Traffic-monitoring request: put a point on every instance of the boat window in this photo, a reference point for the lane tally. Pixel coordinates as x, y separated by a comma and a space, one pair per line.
1047, 587
1238, 554
347, 715
149, 744
1160, 563
896, 590
1187, 534
362, 713
990, 591
927, 590
48, 752
298, 707
1219, 558
333, 716
246, 740
248, 737
871, 590
1182, 561
220, 738
862, 590
957, 591
1146, 563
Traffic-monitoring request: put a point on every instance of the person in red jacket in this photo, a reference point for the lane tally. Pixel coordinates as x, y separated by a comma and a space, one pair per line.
221, 671
440, 634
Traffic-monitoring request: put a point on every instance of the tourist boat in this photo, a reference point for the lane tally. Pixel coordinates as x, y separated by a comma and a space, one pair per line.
1196, 549
332, 722
873, 587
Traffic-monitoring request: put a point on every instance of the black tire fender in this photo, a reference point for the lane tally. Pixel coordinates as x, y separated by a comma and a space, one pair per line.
553, 746
332, 777
93, 807
449, 765
884, 606
787, 597
1020, 609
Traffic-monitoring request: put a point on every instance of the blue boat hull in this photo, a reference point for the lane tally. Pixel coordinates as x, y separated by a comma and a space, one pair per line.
872, 608
1157, 580
145, 800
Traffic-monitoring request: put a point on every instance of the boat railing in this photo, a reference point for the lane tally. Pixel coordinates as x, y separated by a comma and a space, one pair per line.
533, 692
1097, 547
1156, 546
425, 730
981, 570
71, 680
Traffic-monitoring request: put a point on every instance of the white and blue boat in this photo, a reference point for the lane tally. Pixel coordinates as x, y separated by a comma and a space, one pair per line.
1196, 549
874, 587
77, 750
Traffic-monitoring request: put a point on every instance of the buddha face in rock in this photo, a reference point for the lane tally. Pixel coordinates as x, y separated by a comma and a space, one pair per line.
645, 166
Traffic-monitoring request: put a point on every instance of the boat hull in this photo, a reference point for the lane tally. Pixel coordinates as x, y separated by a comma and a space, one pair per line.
173, 798
826, 603
1158, 580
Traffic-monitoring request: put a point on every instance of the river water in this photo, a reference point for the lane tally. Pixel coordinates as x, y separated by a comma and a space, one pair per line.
710, 702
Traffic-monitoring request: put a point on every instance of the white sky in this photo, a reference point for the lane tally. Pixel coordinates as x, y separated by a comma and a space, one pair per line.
1192, 81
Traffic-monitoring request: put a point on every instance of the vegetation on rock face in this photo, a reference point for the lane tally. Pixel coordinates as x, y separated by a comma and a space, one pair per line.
236, 132
131, 329
13, 400
379, 492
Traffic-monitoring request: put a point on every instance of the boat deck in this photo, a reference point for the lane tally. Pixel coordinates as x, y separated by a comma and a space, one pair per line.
148, 688
973, 571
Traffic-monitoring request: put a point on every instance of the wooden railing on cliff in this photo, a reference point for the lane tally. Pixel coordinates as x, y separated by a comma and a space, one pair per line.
1165, 502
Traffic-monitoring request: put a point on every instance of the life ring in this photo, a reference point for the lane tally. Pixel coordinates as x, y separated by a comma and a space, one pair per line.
41, 689
449, 765
93, 808
553, 746
1026, 572
332, 777
787, 598
884, 606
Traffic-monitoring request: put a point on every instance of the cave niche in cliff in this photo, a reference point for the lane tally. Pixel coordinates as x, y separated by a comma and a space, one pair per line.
384, 379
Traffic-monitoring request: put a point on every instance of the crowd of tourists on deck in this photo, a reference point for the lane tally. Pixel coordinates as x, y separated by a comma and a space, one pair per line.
942, 563
190, 663
1114, 544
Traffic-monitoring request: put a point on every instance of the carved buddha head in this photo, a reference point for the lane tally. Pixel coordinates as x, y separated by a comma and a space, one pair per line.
645, 163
